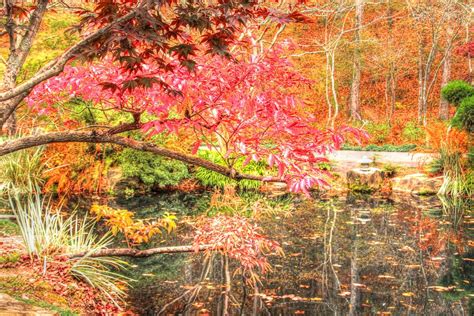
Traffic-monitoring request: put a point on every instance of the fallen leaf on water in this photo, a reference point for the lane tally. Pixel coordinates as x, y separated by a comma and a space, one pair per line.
438, 288
359, 285
297, 298
437, 258
375, 243
198, 304
407, 248
413, 266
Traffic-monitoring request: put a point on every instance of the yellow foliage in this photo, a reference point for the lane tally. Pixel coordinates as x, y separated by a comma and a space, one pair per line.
135, 231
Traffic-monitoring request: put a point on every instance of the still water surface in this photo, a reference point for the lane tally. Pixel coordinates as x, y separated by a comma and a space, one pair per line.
352, 255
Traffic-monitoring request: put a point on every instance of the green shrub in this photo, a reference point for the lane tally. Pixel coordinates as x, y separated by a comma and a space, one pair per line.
412, 132
152, 169
464, 117
214, 179
8, 228
455, 91
11, 257
436, 166
378, 132
390, 170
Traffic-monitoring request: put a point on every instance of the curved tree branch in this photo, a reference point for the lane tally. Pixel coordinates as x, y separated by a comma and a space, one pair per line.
56, 66
106, 137
130, 252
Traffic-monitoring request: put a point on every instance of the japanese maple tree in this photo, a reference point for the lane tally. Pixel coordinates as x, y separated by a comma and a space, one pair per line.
247, 106
172, 57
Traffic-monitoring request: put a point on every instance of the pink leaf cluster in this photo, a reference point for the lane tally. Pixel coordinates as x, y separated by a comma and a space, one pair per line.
248, 107
239, 239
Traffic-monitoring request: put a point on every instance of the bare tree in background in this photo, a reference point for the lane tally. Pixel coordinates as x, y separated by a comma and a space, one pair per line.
357, 62
430, 20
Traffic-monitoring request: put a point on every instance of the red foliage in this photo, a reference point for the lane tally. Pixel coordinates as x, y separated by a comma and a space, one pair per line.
249, 107
466, 50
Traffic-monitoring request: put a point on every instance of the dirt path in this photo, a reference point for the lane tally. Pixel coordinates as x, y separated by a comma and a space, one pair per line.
11, 307
348, 159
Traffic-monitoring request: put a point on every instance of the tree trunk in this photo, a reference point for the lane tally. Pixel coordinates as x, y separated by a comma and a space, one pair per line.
443, 104
19, 49
130, 252
102, 137
469, 61
424, 68
357, 63
391, 84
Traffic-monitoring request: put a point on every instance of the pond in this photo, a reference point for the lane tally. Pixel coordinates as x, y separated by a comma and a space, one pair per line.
352, 255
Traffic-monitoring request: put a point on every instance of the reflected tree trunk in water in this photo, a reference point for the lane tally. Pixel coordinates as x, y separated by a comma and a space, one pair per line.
354, 307
220, 269
400, 255
330, 285
188, 276
256, 300
225, 309
244, 295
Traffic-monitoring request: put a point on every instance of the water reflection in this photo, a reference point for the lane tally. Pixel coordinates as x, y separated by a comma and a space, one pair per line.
353, 256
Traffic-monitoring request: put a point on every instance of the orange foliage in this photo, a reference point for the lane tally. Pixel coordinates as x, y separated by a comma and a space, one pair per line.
75, 168
440, 136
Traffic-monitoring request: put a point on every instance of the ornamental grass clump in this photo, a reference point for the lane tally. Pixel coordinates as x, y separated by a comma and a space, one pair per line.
21, 171
48, 235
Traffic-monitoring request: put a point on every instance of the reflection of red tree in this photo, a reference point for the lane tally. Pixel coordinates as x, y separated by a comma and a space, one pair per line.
238, 238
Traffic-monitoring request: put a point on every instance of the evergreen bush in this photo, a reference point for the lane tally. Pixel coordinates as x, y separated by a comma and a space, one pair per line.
214, 179
464, 117
455, 91
152, 169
